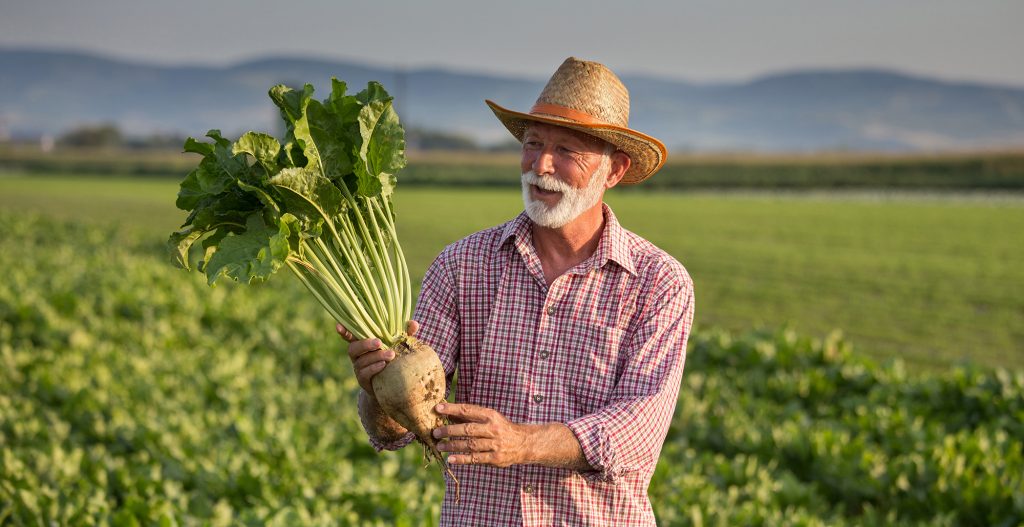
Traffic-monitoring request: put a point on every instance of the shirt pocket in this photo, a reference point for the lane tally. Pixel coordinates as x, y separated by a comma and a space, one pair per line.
593, 359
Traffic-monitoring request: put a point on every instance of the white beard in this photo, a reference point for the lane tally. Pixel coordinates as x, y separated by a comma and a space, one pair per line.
574, 201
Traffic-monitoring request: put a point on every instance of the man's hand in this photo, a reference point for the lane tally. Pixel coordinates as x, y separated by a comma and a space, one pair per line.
481, 436
367, 356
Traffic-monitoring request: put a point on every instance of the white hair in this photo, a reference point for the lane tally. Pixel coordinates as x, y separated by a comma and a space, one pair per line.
573, 202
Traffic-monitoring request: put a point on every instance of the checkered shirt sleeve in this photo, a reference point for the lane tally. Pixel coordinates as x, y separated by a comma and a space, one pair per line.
627, 434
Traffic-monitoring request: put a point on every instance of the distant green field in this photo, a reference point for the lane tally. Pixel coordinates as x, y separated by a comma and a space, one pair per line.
953, 171
932, 279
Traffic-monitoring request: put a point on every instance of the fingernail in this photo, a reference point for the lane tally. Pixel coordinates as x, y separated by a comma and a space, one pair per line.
440, 407
337, 327
436, 433
389, 355
376, 343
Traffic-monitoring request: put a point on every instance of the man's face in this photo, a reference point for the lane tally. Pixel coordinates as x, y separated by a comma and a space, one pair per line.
564, 173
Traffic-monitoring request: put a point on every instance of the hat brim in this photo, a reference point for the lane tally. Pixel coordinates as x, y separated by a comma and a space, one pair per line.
646, 153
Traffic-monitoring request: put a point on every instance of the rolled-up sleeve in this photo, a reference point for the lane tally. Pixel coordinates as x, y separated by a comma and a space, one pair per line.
437, 312
627, 434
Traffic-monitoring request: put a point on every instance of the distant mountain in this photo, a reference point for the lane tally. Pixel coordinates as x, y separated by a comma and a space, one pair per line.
51, 91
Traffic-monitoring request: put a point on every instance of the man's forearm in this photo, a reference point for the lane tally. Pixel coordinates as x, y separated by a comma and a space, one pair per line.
553, 445
377, 423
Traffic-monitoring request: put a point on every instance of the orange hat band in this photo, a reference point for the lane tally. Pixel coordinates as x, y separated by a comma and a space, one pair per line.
567, 113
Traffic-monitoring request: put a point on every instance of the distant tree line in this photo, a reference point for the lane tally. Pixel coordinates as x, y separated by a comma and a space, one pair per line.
104, 135
109, 135
425, 139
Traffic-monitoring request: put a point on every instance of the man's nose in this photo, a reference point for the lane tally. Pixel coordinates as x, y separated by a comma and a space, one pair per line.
544, 163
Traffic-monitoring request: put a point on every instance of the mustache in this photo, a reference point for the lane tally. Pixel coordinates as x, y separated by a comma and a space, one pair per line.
546, 183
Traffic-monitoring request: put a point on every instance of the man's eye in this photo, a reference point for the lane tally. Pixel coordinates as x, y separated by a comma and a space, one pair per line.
566, 151
531, 144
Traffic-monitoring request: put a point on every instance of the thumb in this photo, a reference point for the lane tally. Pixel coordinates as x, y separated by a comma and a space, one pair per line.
412, 327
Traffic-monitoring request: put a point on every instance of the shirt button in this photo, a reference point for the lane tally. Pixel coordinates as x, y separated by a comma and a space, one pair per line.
528, 488
551, 310
538, 398
544, 354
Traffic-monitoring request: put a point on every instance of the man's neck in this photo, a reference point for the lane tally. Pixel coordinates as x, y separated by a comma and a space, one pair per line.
563, 248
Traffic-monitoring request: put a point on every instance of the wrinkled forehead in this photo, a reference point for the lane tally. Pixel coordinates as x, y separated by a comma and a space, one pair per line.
559, 132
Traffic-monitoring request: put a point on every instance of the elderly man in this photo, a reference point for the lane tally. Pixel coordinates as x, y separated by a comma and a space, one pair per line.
567, 331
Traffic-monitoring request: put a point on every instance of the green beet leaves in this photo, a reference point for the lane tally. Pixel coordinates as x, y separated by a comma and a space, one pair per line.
317, 201
252, 202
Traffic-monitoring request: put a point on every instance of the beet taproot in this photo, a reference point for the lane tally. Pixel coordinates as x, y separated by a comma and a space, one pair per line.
409, 388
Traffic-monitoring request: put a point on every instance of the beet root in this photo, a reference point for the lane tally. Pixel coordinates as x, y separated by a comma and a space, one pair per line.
409, 388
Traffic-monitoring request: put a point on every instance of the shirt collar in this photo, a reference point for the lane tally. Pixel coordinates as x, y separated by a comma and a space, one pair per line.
614, 244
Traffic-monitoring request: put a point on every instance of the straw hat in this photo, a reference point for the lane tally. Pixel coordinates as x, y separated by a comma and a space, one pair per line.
588, 97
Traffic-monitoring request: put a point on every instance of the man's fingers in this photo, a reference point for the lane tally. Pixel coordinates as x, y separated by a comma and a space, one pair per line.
345, 334
475, 420
472, 458
372, 357
361, 347
466, 445
465, 412
366, 373
412, 327
464, 430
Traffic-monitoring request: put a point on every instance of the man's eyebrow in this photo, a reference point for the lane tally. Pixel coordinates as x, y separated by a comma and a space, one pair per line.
575, 139
588, 141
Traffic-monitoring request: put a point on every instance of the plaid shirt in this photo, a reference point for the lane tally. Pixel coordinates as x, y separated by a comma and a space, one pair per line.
600, 350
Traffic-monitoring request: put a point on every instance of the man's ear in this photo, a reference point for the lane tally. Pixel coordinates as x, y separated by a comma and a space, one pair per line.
620, 164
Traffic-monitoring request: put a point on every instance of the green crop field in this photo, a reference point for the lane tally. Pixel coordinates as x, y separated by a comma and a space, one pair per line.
933, 279
966, 171
133, 394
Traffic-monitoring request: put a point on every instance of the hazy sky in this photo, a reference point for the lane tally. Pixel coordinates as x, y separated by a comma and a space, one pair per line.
704, 40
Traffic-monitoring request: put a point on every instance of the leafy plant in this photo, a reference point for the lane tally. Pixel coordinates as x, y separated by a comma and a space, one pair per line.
318, 203
321, 204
